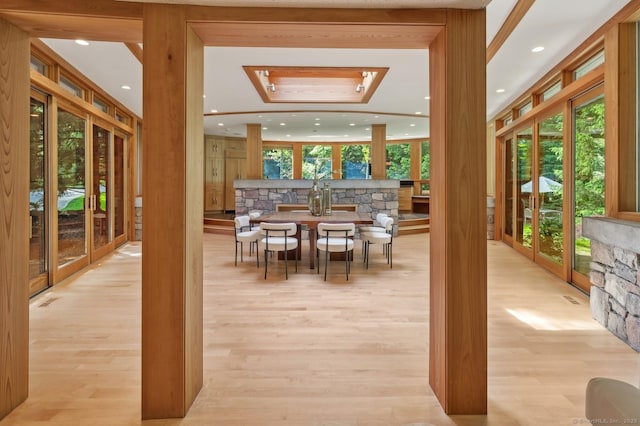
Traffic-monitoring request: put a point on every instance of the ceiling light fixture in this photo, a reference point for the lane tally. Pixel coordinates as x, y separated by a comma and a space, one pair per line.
82, 42
125, 87
537, 49
500, 91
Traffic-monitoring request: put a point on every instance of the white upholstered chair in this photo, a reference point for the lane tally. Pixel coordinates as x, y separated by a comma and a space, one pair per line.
376, 226
383, 238
335, 238
277, 237
611, 401
245, 233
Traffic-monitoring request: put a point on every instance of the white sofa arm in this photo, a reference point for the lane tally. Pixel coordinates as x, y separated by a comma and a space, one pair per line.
610, 401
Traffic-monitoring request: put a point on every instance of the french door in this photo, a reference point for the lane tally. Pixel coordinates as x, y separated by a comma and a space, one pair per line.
533, 202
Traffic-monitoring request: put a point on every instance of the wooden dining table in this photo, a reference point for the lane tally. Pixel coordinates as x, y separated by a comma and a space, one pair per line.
306, 218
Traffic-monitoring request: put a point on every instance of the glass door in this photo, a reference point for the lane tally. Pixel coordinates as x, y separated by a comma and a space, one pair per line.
549, 195
119, 189
71, 242
38, 206
100, 193
588, 176
524, 192
508, 199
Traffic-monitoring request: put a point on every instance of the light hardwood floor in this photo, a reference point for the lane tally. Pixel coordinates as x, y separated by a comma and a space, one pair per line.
308, 352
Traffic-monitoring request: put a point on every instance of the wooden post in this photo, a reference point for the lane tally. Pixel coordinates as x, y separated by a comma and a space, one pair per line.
254, 151
458, 277
172, 214
14, 217
379, 151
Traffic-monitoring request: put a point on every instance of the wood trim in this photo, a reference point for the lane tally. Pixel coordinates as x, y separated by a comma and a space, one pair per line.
592, 78
336, 161
136, 50
458, 295
515, 16
14, 217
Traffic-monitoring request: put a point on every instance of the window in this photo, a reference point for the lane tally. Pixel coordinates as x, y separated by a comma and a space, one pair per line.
70, 86
101, 105
316, 162
398, 161
590, 64
425, 166
125, 119
525, 109
551, 91
277, 163
355, 161
39, 66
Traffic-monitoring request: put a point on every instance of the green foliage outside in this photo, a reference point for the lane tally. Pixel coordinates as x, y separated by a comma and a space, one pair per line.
278, 163
316, 162
398, 161
355, 161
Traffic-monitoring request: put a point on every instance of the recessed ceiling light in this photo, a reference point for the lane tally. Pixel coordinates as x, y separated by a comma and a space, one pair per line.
204, 96
220, 124
82, 42
283, 124
427, 97
317, 119
352, 124
265, 128
125, 87
287, 135
412, 125
418, 112
500, 91
214, 110
537, 49
316, 124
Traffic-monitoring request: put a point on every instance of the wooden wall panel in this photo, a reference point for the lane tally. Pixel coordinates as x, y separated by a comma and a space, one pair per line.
172, 215
14, 217
458, 273
378, 151
254, 151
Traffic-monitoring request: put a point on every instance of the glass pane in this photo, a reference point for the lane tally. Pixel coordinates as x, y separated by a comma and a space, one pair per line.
524, 187
508, 187
71, 187
398, 161
355, 161
551, 91
316, 162
38, 66
70, 87
100, 186
589, 65
118, 186
525, 109
550, 187
37, 191
588, 196
425, 166
277, 163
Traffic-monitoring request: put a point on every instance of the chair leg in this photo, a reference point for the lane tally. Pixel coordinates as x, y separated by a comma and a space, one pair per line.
236, 262
257, 254
241, 252
286, 269
390, 253
326, 260
346, 263
266, 261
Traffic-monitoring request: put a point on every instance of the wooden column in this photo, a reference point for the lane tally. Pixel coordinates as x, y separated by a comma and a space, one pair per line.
172, 214
458, 277
14, 217
620, 105
379, 151
254, 151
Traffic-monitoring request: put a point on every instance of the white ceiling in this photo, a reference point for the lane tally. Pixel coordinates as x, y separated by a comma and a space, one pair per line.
559, 26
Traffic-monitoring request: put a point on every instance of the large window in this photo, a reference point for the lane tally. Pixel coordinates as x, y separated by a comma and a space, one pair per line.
316, 162
355, 161
425, 166
398, 161
277, 163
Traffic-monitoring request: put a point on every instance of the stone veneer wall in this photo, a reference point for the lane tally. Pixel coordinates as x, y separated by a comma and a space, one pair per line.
370, 196
491, 215
138, 222
614, 276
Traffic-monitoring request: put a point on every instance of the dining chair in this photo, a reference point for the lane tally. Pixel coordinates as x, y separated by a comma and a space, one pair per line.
277, 237
375, 227
246, 233
384, 238
334, 238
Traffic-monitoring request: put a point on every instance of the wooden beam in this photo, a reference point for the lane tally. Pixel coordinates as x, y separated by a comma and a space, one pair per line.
136, 50
515, 16
172, 214
458, 273
14, 217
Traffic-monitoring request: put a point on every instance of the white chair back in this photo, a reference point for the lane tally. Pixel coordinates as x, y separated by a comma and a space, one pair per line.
278, 229
336, 229
242, 222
